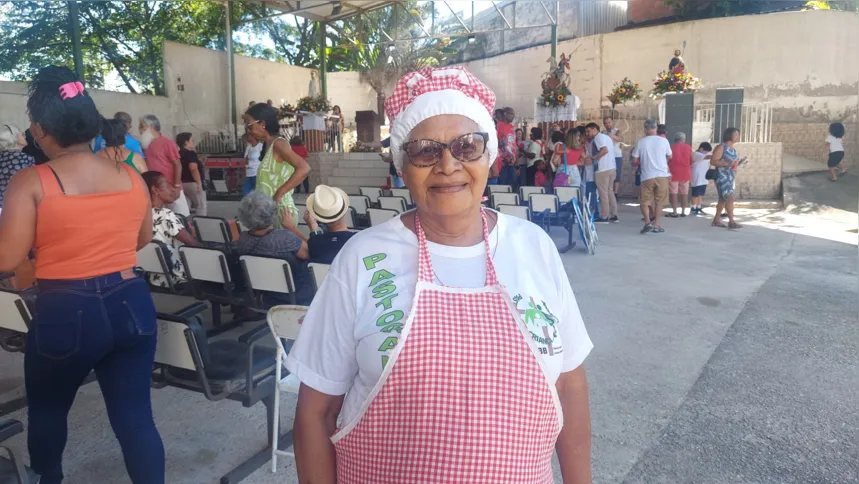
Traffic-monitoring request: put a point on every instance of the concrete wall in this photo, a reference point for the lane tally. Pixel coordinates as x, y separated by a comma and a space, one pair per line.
807, 140
760, 178
805, 80
13, 105
204, 75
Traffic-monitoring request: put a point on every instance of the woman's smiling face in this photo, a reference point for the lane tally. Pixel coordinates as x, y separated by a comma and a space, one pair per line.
450, 187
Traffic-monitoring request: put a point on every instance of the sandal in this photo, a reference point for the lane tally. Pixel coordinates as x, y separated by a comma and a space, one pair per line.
682, 214
719, 224
734, 225
658, 230
671, 215
647, 228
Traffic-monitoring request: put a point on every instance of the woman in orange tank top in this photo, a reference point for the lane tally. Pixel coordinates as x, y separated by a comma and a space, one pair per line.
86, 216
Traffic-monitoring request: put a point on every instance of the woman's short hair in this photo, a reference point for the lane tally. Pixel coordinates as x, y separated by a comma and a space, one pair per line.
728, 135
70, 121
183, 138
8, 137
257, 210
837, 130
265, 114
113, 131
557, 137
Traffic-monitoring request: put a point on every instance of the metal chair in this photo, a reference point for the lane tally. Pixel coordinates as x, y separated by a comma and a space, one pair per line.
373, 193
526, 192
398, 204
12, 469
504, 198
266, 274
241, 370
319, 271
284, 322
499, 188
380, 215
213, 232
516, 211
15, 322
403, 192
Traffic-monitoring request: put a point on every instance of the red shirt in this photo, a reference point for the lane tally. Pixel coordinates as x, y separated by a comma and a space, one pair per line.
299, 150
680, 164
160, 154
507, 148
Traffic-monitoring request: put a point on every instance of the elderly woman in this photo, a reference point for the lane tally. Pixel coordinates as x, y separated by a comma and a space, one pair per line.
725, 160
443, 350
257, 212
12, 160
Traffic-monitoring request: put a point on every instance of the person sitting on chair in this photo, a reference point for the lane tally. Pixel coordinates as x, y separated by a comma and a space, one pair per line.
257, 212
328, 205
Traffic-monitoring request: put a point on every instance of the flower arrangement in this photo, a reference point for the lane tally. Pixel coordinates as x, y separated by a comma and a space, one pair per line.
361, 147
286, 111
667, 82
624, 91
555, 96
318, 104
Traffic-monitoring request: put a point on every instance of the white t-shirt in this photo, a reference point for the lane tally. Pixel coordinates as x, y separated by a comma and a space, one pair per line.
252, 154
700, 165
535, 147
835, 144
653, 153
618, 151
355, 319
607, 162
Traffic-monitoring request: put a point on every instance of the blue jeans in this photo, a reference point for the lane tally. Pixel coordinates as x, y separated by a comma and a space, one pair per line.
397, 181
492, 181
106, 324
591, 191
249, 186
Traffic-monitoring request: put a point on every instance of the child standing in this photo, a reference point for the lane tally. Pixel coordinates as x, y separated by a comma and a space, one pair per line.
700, 165
540, 178
836, 150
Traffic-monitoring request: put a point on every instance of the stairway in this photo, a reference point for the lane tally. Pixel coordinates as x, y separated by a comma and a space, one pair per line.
349, 171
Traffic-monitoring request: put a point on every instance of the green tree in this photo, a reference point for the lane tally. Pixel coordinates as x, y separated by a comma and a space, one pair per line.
116, 36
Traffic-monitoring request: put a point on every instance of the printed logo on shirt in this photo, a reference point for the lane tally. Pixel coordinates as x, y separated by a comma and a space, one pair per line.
385, 292
541, 323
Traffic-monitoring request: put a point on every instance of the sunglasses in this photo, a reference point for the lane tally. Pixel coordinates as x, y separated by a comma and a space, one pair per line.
425, 153
248, 125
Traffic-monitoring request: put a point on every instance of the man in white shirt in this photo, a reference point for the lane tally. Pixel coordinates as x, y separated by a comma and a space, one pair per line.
652, 153
604, 172
252, 156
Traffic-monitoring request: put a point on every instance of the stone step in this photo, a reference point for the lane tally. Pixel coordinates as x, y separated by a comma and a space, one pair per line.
361, 172
355, 181
350, 163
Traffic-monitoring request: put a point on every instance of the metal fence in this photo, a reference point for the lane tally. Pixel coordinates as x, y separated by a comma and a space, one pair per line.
753, 120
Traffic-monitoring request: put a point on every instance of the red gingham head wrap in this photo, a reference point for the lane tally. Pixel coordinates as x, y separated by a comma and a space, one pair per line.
432, 92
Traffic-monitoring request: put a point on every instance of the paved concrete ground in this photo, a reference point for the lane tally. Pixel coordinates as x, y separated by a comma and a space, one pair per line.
720, 357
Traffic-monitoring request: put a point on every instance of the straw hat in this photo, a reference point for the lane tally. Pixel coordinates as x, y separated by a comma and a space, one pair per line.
327, 204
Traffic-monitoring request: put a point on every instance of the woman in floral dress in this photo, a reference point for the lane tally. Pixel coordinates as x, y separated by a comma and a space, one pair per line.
281, 169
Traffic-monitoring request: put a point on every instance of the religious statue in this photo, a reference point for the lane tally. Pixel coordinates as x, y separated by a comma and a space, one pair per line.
313, 89
675, 60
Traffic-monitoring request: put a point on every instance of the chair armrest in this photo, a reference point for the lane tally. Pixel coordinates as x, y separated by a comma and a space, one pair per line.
10, 428
192, 310
255, 334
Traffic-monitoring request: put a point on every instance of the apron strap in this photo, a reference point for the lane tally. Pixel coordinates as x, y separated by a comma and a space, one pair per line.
425, 270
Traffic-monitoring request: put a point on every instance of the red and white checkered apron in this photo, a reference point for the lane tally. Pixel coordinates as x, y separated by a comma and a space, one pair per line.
464, 397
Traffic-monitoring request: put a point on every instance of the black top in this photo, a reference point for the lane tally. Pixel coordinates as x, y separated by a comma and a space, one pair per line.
187, 157
324, 247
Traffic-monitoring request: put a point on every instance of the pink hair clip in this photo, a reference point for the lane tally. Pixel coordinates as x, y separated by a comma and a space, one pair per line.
71, 89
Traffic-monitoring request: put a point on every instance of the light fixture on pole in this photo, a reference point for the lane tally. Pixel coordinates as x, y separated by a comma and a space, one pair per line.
471, 39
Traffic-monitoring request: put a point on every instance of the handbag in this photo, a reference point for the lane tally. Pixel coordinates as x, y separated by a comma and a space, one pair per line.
711, 174
561, 177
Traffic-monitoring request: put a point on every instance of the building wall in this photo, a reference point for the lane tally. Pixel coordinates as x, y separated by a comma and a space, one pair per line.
807, 140
13, 105
760, 178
